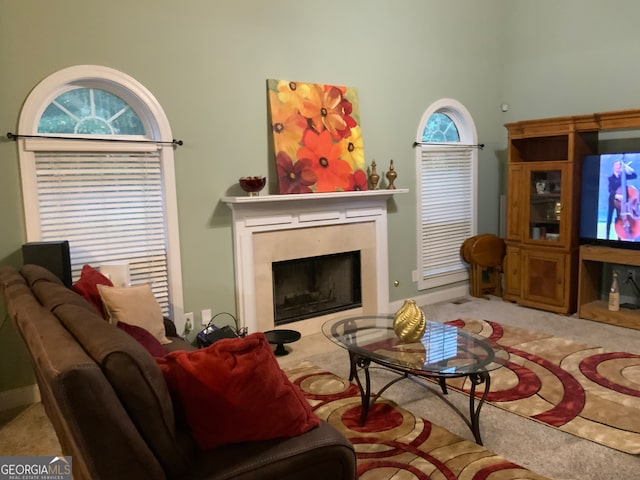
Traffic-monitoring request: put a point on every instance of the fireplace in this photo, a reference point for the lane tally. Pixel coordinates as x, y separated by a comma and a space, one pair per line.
314, 286
268, 229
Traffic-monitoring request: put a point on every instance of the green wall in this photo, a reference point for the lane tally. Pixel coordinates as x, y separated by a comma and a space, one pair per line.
570, 57
207, 63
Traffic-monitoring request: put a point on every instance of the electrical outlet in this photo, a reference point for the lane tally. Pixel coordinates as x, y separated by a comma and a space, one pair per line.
206, 316
188, 322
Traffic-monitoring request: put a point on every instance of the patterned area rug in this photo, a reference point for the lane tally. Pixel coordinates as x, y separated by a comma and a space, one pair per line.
395, 445
579, 389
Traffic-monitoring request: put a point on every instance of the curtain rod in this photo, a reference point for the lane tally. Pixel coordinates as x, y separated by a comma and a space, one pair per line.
453, 145
16, 136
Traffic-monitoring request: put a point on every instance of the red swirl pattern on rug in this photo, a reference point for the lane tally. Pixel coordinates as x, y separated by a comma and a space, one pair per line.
393, 443
589, 367
584, 390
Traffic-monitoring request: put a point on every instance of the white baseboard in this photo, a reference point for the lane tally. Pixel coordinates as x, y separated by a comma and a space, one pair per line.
19, 396
456, 291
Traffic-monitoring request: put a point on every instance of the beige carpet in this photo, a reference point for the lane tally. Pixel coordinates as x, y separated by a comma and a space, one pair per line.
30, 433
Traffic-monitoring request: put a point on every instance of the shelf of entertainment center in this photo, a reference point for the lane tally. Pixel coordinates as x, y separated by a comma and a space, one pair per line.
591, 306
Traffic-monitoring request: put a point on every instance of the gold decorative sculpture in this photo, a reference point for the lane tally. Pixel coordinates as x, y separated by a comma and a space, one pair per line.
374, 178
391, 176
409, 322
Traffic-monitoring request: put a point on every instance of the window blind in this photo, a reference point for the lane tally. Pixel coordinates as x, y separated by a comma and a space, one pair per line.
110, 207
446, 213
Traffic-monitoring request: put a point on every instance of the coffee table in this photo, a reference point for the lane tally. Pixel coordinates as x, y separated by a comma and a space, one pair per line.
443, 352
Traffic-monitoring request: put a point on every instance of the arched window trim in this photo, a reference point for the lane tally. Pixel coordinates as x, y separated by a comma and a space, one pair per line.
156, 124
468, 137
131, 91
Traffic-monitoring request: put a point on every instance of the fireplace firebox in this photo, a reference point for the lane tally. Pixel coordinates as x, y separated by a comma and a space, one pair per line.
309, 287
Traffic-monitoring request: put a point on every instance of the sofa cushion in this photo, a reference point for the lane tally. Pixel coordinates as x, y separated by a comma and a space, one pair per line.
49, 289
52, 295
137, 381
144, 338
234, 391
136, 306
87, 286
36, 273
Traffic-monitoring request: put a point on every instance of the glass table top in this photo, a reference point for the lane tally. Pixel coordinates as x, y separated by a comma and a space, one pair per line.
443, 349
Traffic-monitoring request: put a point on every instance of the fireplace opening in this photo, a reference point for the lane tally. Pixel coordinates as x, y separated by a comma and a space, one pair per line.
310, 287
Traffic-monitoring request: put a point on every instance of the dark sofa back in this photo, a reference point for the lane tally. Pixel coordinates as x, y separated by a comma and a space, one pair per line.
90, 419
137, 381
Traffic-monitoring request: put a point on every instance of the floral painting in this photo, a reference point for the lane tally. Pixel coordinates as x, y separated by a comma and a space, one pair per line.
317, 137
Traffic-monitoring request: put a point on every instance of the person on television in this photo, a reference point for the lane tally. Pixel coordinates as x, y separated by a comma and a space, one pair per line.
615, 181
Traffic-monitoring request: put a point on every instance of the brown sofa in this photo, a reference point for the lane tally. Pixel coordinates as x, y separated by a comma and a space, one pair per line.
112, 412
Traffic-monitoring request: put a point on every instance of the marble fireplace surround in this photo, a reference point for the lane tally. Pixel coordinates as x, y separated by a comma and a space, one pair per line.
272, 228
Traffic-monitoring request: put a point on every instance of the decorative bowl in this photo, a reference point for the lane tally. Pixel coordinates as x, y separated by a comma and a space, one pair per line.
252, 185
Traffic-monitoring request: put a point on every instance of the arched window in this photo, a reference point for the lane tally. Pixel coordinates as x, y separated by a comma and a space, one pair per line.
446, 159
97, 170
90, 111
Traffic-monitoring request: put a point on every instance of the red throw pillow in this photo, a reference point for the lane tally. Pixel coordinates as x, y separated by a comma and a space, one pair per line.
87, 286
148, 341
235, 391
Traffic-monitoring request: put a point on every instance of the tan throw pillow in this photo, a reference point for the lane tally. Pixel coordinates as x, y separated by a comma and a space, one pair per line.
135, 306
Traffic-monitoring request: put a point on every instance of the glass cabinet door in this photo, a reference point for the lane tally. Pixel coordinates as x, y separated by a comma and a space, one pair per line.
545, 205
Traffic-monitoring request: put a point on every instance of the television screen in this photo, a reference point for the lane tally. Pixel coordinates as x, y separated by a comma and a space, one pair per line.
609, 212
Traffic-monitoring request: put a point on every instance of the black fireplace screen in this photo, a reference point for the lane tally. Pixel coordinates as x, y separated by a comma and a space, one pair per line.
314, 286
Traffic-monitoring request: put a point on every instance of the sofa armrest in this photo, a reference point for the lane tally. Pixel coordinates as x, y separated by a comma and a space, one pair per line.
177, 342
169, 327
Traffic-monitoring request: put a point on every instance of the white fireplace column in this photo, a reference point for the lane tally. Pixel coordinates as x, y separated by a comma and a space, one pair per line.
305, 225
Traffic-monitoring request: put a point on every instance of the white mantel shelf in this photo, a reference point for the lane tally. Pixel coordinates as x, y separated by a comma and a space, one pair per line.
344, 196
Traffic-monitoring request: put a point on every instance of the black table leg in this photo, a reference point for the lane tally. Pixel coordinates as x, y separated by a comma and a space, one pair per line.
358, 363
443, 384
365, 391
474, 411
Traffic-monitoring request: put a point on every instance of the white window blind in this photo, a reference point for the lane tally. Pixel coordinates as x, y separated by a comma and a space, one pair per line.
111, 208
446, 209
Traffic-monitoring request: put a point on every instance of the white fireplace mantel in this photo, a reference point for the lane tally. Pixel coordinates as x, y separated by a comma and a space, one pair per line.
269, 213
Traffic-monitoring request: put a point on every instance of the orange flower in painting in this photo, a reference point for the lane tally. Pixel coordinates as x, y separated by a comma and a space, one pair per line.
287, 126
324, 108
333, 173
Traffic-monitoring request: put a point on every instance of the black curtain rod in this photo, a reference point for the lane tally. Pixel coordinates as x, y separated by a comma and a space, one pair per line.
452, 145
16, 136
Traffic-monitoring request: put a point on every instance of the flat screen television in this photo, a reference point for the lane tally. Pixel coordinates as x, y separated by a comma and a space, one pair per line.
610, 218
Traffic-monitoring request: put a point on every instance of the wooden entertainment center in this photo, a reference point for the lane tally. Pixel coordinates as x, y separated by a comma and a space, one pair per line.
544, 267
